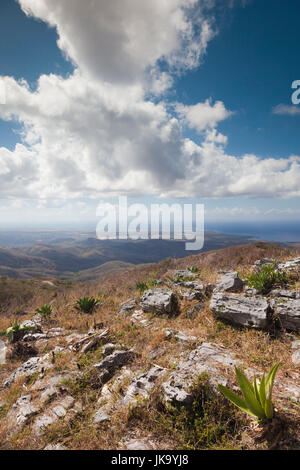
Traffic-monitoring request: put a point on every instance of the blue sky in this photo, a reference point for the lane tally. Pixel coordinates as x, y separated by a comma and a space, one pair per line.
110, 108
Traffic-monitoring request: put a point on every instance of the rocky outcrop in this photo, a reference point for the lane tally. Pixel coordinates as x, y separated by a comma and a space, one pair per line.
20, 413
34, 365
289, 294
160, 301
94, 342
57, 410
230, 282
288, 313
109, 364
138, 317
127, 306
240, 310
143, 384
264, 262
290, 266
206, 358
35, 322
179, 336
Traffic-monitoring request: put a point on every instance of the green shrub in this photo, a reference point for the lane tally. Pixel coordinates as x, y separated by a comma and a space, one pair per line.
143, 286
45, 310
87, 304
257, 398
266, 278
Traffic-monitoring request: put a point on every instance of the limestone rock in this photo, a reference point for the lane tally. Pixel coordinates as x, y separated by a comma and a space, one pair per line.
127, 306
230, 282
34, 322
108, 349
206, 358
139, 317
160, 301
102, 415
179, 336
57, 411
139, 444
142, 385
289, 294
291, 265
32, 366
55, 447
20, 413
296, 358
240, 310
94, 342
109, 364
264, 262
3, 351
288, 313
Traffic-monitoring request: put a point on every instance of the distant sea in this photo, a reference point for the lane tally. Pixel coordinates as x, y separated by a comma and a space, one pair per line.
276, 231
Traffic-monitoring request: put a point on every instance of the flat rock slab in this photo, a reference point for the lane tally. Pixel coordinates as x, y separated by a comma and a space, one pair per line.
240, 310
291, 265
160, 301
288, 312
289, 294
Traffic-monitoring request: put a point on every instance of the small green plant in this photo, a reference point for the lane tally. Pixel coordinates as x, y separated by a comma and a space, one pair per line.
45, 310
193, 269
257, 399
86, 304
266, 278
143, 286
16, 332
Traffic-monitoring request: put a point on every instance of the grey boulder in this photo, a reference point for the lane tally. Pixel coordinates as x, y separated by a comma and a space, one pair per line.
288, 313
230, 282
160, 301
240, 310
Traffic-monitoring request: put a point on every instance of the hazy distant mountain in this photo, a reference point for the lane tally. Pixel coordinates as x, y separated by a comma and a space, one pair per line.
89, 258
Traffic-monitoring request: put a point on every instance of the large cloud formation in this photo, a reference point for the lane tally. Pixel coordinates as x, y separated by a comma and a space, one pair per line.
107, 130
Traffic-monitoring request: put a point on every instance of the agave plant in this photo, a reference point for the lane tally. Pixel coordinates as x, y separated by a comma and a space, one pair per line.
45, 310
87, 304
257, 398
193, 269
16, 332
143, 286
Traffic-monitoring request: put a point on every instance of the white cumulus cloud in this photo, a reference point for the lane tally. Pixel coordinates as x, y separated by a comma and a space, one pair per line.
101, 132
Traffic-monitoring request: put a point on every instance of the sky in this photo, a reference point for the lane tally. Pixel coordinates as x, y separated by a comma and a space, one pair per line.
174, 100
